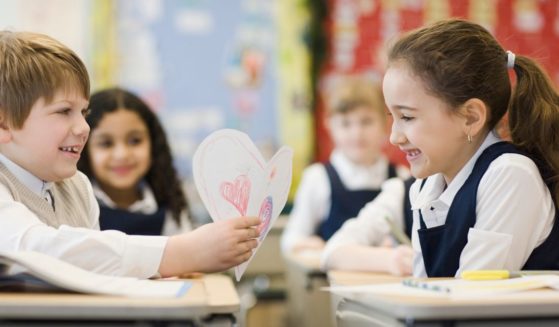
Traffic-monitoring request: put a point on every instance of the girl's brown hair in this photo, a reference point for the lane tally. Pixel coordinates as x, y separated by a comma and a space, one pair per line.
459, 60
162, 176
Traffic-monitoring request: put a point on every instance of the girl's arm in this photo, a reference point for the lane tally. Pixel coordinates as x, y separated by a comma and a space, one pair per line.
356, 245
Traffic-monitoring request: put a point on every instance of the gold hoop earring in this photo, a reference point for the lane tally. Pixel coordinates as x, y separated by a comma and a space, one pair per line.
469, 139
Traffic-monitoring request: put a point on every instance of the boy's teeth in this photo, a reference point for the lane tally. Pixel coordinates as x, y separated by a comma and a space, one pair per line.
70, 149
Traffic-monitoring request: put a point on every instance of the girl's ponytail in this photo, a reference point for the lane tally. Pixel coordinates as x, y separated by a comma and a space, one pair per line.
534, 119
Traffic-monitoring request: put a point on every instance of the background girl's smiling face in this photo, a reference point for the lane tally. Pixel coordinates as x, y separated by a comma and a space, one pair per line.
120, 151
424, 127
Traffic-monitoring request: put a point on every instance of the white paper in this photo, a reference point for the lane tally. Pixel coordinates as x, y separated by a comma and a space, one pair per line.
73, 278
457, 288
234, 180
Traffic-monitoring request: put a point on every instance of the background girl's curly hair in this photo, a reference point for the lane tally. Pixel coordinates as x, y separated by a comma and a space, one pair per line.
162, 176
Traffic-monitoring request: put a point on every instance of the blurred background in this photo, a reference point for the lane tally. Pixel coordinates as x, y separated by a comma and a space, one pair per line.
259, 66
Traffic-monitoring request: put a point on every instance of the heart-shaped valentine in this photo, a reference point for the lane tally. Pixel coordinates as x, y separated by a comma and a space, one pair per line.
233, 180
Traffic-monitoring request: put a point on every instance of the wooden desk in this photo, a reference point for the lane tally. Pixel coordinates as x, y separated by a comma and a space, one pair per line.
539, 307
211, 300
307, 304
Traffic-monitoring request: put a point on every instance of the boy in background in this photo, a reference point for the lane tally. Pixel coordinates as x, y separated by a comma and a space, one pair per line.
331, 193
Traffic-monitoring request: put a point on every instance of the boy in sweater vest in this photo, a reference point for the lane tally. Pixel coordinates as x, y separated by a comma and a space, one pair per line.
47, 206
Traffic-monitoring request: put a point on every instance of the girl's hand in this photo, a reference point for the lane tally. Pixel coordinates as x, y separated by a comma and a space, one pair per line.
212, 247
401, 260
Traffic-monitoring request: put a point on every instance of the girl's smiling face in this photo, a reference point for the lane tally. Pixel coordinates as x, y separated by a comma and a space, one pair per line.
120, 151
424, 127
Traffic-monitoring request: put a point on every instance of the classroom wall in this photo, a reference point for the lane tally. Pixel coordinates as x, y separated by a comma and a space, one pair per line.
202, 65
357, 32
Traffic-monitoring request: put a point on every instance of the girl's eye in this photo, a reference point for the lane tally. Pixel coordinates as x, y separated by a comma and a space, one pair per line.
86, 112
65, 111
135, 140
406, 118
105, 144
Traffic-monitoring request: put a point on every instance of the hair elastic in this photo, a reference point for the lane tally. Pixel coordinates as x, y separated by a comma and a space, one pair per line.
510, 59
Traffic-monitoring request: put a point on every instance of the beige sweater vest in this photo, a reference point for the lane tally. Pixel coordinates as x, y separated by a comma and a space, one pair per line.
71, 200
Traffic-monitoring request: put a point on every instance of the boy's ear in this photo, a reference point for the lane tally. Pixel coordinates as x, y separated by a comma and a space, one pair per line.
475, 113
5, 131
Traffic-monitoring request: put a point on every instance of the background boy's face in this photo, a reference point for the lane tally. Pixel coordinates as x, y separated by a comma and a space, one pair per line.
120, 151
52, 137
358, 133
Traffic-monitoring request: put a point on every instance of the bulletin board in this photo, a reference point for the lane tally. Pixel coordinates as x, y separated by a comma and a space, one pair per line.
357, 32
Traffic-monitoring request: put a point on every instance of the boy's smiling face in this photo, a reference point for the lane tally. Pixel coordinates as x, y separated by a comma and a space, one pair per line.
52, 137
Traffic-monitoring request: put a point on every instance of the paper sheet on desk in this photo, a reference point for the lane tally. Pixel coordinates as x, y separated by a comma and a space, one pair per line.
233, 180
457, 288
72, 278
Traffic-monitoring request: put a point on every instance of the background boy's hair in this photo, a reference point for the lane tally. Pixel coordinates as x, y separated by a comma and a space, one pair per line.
458, 60
162, 176
352, 92
33, 66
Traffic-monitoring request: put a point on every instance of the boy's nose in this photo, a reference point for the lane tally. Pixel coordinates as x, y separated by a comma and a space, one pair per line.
81, 128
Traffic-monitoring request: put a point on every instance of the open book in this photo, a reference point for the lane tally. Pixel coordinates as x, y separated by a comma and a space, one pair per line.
45, 273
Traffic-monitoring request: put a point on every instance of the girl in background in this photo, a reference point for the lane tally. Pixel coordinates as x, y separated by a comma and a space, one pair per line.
129, 163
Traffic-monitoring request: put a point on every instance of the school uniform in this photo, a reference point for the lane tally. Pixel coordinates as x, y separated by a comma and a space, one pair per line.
370, 228
68, 226
514, 214
143, 217
327, 191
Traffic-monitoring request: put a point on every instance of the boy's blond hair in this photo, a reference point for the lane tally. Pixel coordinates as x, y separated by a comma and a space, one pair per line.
33, 66
353, 92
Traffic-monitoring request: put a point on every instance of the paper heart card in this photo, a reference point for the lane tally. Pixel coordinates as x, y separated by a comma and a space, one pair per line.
233, 180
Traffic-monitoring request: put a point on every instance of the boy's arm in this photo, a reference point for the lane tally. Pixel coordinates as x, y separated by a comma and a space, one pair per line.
211, 247
309, 207
108, 252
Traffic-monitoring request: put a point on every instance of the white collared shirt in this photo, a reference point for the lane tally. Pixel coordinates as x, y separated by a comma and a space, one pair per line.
312, 201
108, 252
147, 205
514, 212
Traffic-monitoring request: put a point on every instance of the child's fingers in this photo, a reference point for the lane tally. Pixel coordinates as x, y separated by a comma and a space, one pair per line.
246, 222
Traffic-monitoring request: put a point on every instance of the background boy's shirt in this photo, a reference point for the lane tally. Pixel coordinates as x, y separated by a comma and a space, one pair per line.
515, 212
107, 252
370, 228
147, 205
312, 201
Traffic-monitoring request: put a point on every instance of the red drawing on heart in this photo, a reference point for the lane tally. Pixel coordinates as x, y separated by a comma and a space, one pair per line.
265, 215
237, 193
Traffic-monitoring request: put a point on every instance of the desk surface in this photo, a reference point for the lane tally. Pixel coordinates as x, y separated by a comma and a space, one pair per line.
536, 303
209, 294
